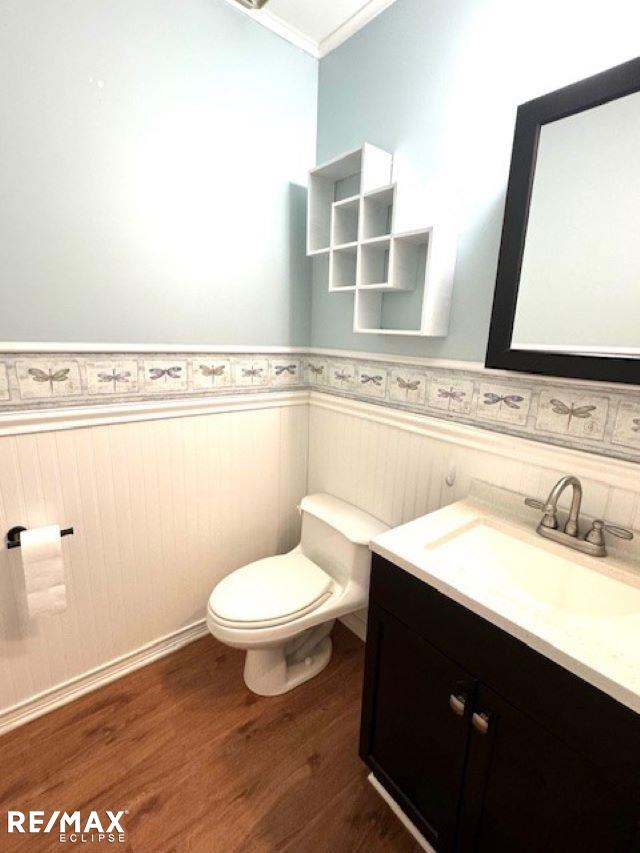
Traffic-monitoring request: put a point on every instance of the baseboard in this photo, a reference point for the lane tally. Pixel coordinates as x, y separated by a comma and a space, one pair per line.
42, 703
404, 820
356, 623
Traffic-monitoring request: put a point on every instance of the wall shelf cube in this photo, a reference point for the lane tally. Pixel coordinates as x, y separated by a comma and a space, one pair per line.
401, 282
344, 221
342, 268
377, 212
374, 262
355, 172
409, 259
371, 314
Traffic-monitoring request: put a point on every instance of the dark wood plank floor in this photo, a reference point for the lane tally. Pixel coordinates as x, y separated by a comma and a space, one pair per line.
202, 764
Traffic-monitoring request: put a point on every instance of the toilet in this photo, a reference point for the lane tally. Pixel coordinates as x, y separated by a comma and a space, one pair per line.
281, 609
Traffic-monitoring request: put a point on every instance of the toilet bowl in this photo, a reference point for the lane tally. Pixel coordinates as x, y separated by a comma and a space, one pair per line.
281, 609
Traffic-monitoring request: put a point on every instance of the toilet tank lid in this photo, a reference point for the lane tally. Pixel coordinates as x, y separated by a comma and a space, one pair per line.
354, 524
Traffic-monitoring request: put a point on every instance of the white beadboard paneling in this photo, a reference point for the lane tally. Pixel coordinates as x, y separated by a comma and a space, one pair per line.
48, 700
166, 498
396, 471
616, 472
161, 510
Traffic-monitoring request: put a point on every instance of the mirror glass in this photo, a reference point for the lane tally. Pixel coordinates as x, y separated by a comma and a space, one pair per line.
579, 288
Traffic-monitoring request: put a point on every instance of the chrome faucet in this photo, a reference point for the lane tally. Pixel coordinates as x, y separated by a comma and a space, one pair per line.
594, 542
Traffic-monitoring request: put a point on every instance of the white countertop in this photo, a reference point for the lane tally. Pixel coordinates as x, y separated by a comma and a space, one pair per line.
581, 612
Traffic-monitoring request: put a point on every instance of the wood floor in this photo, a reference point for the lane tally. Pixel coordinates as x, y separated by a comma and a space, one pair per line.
201, 764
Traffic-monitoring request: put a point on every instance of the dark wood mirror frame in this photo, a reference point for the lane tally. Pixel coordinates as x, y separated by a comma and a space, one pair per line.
592, 92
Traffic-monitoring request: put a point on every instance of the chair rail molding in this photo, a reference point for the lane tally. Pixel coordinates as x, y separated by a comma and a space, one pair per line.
51, 420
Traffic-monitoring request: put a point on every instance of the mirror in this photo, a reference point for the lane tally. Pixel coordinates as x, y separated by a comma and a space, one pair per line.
568, 290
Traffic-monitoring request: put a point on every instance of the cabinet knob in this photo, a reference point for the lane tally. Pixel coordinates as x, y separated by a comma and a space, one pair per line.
480, 723
457, 703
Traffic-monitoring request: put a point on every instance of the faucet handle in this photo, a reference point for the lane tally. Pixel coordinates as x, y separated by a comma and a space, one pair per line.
596, 534
620, 532
535, 503
549, 518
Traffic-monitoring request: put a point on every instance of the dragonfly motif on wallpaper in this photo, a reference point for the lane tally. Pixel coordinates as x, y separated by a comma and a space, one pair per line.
512, 401
212, 371
451, 395
115, 376
156, 373
252, 372
316, 369
49, 376
408, 385
571, 411
342, 376
371, 380
284, 369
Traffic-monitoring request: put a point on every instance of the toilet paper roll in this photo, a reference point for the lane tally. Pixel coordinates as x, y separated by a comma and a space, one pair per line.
41, 549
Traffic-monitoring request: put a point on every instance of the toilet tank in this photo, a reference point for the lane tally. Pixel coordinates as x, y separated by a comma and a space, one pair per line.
336, 536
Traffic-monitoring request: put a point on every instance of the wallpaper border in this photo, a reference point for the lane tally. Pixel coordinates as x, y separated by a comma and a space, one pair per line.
597, 418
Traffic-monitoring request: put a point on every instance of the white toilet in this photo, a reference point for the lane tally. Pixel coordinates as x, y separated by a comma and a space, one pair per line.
282, 609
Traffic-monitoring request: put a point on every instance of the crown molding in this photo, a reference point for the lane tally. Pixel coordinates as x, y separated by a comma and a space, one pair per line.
351, 26
282, 28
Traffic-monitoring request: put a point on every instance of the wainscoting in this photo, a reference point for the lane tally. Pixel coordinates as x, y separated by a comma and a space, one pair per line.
161, 510
166, 498
394, 464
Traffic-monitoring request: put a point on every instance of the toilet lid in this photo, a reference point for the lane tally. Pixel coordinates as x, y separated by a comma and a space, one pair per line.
269, 590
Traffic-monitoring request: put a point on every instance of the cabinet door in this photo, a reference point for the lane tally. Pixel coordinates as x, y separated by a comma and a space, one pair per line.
415, 725
527, 791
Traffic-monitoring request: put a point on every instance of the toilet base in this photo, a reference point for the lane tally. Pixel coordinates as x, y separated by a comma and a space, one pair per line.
273, 671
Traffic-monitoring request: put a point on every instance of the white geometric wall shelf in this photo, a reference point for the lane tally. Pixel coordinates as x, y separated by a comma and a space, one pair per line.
401, 281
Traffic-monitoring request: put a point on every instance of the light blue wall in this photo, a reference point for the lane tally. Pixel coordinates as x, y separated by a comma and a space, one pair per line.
150, 170
437, 82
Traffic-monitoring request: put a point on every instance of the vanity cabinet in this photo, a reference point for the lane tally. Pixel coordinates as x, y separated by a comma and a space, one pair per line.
485, 744
410, 726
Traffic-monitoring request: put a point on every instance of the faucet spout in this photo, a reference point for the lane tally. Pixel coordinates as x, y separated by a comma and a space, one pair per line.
550, 518
593, 543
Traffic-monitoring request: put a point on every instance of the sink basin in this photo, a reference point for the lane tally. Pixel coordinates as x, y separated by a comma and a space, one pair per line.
579, 611
489, 560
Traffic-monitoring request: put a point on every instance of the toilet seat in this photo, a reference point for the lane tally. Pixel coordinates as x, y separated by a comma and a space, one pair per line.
270, 592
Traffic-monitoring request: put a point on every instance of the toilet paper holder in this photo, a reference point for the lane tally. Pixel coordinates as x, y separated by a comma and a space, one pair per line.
13, 535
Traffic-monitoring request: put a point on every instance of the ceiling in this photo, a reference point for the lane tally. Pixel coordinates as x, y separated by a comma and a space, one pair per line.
317, 26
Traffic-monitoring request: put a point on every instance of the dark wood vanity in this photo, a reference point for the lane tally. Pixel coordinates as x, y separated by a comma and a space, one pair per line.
485, 744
